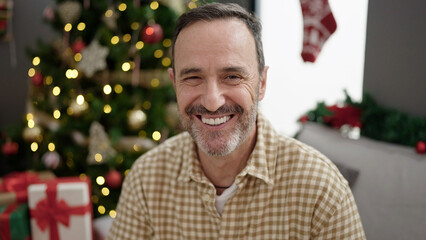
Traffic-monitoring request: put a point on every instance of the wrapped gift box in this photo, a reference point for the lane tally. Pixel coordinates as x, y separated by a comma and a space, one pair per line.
61, 209
14, 222
13, 186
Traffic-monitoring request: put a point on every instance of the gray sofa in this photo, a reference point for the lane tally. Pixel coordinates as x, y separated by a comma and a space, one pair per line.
388, 181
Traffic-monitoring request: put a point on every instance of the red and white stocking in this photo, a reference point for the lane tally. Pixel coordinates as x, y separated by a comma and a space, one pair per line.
318, 25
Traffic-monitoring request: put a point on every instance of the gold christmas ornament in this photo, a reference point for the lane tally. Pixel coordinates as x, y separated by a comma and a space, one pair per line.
69, 11
136, 119
33, 134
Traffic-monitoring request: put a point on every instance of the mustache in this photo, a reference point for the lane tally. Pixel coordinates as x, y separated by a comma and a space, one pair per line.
225, 109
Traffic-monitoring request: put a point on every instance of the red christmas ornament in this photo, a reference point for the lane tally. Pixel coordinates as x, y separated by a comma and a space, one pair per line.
9, 148
152, 33
344, 115
37, 79
78, 46
113, 179
421, 147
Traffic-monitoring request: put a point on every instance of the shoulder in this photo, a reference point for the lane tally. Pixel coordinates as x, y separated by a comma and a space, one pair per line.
165, 159
314, 172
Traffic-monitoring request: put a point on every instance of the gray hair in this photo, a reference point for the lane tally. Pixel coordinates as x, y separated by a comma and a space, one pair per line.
215, 11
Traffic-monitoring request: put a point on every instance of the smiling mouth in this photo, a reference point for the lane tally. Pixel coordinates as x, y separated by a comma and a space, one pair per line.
214, 121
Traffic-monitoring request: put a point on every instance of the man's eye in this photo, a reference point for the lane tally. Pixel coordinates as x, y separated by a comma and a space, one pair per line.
232, 79
192, 80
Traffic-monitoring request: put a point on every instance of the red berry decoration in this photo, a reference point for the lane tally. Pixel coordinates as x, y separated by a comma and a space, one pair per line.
113, 179
37, 79
9, 148
152, 33
421, 147
78, 46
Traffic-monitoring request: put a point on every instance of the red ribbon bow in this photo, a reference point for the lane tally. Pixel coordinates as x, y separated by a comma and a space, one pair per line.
49, 212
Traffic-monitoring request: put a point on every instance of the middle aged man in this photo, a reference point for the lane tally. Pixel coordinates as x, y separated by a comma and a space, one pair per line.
230, 176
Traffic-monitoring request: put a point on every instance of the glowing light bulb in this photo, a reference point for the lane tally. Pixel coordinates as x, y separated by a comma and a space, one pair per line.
105, 191
51, 147
100, 180
56, 91
81, 26
139, 45
36, 61
118, 88
154, 5
115, 40
125, 66
101, 209
98, 157
56, 114
156, 136
80, 99
122, 7
34, 146
68, 27
107, 89
107, 109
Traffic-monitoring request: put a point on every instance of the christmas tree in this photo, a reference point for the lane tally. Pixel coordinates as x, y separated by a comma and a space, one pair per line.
100, 94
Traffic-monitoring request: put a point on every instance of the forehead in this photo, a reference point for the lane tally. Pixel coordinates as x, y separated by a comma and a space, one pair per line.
208, 38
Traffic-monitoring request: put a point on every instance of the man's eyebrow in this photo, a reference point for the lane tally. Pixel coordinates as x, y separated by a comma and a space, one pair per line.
189, 71
234, 69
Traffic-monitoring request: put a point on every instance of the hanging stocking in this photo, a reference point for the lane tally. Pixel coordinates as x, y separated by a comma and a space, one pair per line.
318, 25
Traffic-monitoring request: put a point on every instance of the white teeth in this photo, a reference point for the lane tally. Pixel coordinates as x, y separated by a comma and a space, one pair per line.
215, 121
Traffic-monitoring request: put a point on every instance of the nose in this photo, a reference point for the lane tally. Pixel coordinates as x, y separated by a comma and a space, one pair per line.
212, 97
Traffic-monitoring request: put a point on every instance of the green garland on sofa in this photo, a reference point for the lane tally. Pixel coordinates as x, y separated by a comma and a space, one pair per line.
377, 122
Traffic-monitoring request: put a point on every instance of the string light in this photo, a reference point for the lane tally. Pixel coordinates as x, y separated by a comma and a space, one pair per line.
125, 66
77, 57
98, 157
134, 26
154, 5
112, 213
126, 172
101, 209
48, 80
107, 109
122, 7
105, 191
167, 42
56, 91
115, 40
30, 116
155, 82
68, 27
109, 13
51, 147
34, 146
118, 88
31, 72
127, 37
31, 123
81, 26
36, 61
146, 105
100, 180
166, 61
107, 89
158, 53
56, 114
192, 5
156, 135
139, 45
71, 73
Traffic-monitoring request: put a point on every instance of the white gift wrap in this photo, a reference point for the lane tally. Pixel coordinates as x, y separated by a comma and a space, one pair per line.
75, 194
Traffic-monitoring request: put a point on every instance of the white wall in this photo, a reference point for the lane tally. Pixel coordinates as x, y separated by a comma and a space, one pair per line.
295, 87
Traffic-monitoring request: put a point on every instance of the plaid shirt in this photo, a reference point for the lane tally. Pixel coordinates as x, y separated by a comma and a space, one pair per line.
287, 191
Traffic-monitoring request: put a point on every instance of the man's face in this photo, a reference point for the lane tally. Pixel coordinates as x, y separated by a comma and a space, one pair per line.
217, 84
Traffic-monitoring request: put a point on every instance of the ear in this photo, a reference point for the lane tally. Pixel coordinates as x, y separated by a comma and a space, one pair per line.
262, 85
172, 77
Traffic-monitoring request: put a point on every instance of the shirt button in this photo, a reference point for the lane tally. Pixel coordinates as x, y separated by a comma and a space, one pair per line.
206, 197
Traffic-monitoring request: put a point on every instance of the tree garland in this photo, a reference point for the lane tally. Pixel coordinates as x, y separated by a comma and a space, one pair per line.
373, 121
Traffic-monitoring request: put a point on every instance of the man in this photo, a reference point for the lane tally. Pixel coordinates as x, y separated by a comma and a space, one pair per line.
230, 176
